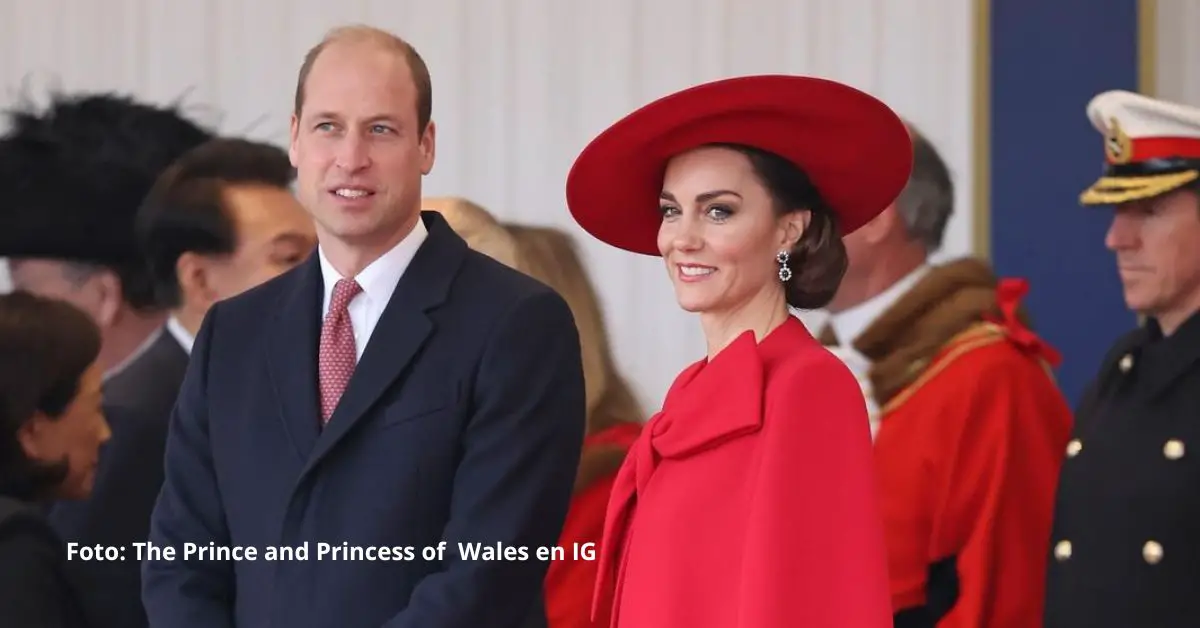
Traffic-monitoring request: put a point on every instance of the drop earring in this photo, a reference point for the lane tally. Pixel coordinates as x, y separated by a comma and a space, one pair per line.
785, 273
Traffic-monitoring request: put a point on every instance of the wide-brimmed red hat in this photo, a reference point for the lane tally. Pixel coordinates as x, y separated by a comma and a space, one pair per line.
855, 149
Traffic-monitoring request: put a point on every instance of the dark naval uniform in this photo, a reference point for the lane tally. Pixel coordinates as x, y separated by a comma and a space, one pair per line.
1126, 540
1125, 546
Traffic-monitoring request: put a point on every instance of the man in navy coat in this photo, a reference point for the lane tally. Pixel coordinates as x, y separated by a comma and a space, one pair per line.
392, 402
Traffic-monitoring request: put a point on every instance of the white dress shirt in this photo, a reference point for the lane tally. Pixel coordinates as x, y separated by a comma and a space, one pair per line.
850, 323
181, 334
378, 281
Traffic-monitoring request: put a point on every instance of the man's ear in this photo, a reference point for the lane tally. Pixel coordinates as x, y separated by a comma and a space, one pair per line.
879, 227
195, 285
110, 297
428, 147
29, 436
293, 136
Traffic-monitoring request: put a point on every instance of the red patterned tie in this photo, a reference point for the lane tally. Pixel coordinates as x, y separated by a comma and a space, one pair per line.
337, 355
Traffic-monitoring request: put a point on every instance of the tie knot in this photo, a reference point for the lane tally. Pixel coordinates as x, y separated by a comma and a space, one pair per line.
343, 291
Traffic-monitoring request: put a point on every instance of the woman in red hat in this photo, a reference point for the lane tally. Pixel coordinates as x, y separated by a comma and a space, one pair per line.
749, 499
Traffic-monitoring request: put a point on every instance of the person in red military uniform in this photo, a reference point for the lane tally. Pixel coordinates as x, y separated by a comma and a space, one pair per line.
970, 423
749, 500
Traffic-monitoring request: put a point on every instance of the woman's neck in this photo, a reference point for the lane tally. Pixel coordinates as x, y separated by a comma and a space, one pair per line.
761, 315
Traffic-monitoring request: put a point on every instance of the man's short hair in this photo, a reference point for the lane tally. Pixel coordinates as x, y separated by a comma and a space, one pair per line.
927, 201
360, 33
187, 210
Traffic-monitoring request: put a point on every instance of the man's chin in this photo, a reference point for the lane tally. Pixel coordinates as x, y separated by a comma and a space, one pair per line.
350, 228
1139, 305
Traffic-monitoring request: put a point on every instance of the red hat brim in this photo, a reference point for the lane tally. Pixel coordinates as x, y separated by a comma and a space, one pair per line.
855, 149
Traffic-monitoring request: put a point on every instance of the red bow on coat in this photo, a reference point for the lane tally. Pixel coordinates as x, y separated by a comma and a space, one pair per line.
1008, 298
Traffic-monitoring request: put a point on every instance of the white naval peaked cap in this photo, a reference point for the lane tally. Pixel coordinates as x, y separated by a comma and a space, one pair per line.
1151, 147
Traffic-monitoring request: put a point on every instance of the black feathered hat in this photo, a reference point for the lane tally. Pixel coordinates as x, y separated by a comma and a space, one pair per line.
76, 172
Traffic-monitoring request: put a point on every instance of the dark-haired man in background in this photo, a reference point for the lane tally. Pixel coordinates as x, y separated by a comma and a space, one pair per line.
221, 220
74, 175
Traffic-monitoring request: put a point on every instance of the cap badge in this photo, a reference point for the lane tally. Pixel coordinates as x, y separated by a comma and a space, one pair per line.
1117, 144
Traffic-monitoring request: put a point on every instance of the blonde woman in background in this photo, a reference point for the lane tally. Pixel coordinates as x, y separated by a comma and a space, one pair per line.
477, 226
614, 420
484, 233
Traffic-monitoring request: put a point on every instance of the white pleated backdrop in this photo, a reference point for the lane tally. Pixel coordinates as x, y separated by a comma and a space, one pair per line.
1177, 58
519, 88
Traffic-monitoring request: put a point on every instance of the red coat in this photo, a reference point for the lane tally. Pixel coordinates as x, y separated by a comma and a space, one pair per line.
570, 583
968, 460
750, 501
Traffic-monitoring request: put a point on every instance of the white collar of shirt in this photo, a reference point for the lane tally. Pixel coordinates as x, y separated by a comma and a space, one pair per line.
181, 334
851, 323
378, 281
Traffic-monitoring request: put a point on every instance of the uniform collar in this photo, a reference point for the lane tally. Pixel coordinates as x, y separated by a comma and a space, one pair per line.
1166, 359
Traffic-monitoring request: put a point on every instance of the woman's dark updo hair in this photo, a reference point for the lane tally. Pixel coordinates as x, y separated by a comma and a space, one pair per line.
45, 348
818, 260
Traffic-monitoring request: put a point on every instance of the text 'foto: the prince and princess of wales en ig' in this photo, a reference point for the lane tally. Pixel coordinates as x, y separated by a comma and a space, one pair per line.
328, 551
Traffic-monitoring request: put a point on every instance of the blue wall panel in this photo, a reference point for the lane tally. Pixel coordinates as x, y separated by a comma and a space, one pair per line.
1048, 59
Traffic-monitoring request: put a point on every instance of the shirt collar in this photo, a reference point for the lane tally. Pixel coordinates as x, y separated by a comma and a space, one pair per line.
378, 280
849, 324
181, 334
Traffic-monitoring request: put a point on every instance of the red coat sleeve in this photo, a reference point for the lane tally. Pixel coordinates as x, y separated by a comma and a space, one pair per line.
1011, 425
815, 553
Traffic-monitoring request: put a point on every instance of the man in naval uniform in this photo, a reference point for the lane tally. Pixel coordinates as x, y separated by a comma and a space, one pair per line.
1125, 547
74, 176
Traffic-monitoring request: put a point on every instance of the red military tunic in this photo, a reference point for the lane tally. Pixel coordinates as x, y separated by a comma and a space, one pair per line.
571, 582
967, 457
749, 501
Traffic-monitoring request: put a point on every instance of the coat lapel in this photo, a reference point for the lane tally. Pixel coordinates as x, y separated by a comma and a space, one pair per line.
402, 330
292, 356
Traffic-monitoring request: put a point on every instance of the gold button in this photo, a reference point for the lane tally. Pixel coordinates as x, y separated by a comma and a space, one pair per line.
1173, 450
1152, 552
1062, 550
1126, 363
1074, 447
